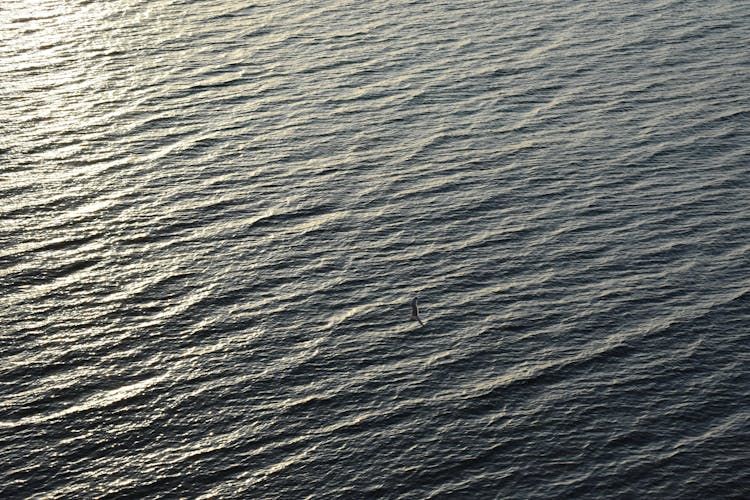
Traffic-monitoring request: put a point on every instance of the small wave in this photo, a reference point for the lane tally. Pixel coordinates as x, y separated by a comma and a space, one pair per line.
98, 401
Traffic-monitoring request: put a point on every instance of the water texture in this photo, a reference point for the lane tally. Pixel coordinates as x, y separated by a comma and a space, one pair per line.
215, 215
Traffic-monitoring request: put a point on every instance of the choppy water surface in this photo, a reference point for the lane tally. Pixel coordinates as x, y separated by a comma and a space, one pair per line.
214, 215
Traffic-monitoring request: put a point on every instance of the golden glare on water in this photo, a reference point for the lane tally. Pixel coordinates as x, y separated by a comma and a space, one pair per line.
57, 73
48, 42
30, 25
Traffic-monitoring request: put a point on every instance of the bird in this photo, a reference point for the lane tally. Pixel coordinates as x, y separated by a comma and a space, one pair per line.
415, 311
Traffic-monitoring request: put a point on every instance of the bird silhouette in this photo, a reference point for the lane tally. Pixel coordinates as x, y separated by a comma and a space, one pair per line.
415, 311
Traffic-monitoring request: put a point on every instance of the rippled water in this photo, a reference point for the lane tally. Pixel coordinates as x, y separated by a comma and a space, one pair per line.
216, 213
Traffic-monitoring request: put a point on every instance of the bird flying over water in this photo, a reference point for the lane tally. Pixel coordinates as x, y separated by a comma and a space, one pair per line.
415, 311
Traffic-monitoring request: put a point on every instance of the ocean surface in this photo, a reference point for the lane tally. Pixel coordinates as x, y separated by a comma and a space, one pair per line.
214, 216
